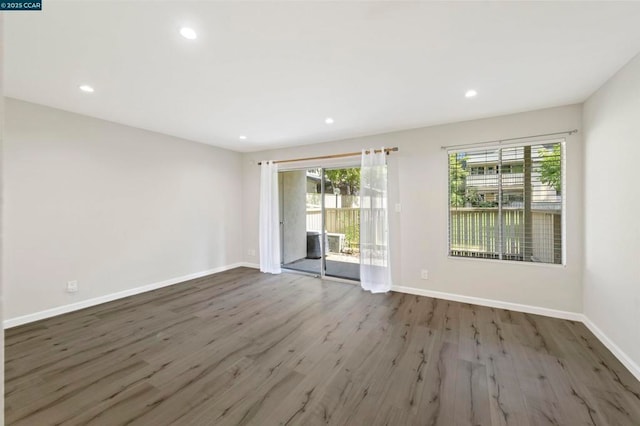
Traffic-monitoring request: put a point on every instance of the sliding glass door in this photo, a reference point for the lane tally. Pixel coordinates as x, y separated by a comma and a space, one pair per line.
320, 221
301, 220
342, 222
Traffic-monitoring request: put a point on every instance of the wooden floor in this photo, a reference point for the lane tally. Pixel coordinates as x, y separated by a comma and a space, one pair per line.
241, 348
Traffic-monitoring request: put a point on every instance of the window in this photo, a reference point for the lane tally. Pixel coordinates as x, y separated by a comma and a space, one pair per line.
477, 170
514, 211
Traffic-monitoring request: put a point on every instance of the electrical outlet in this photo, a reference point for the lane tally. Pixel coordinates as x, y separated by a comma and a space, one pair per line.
398, 208
424, 274
251, 252
72, 286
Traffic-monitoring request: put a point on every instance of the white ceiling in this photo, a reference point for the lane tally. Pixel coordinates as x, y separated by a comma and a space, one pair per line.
275, 71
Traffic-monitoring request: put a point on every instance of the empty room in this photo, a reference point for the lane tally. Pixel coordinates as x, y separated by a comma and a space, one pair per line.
320, 213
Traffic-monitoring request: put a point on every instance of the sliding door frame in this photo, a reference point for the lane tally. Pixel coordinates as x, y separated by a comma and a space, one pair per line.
323, 218
323, 226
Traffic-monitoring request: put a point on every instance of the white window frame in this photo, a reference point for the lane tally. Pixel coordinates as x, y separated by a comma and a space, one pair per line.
565, 192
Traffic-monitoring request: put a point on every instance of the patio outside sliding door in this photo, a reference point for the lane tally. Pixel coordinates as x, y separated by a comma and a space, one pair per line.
319, 221
342, 222
301, 220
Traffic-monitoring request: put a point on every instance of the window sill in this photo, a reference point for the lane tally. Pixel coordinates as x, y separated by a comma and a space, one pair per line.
508, 262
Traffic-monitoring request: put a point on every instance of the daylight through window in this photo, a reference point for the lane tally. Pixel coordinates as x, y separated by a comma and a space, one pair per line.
507, 203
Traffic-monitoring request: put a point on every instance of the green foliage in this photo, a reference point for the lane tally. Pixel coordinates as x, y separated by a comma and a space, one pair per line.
551, 167
457, 180
352, 235
344, 178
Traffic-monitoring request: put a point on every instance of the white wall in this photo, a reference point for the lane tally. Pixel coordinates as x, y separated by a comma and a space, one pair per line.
1, 216
293, 212
418, 180
612, 210
111, 206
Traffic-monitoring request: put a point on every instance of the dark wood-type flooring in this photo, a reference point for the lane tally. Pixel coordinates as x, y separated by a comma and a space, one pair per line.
241, 348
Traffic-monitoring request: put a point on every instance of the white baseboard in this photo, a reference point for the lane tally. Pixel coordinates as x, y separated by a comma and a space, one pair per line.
59, 310
573, 316
615, 349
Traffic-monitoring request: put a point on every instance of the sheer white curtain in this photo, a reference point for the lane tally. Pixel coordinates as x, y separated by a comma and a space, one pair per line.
375, 272
269, 219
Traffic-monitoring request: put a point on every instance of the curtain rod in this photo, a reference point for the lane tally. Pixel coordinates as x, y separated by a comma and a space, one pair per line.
324, 157
499, 141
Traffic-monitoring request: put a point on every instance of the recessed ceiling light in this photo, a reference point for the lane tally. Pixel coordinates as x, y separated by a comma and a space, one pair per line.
86, 88
470, 94
328, 120
243, 137
188, 33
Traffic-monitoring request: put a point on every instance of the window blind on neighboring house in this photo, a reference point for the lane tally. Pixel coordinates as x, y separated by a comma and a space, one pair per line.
507, 202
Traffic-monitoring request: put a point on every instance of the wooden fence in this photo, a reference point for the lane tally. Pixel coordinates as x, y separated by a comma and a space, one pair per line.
474, 232
340, 221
